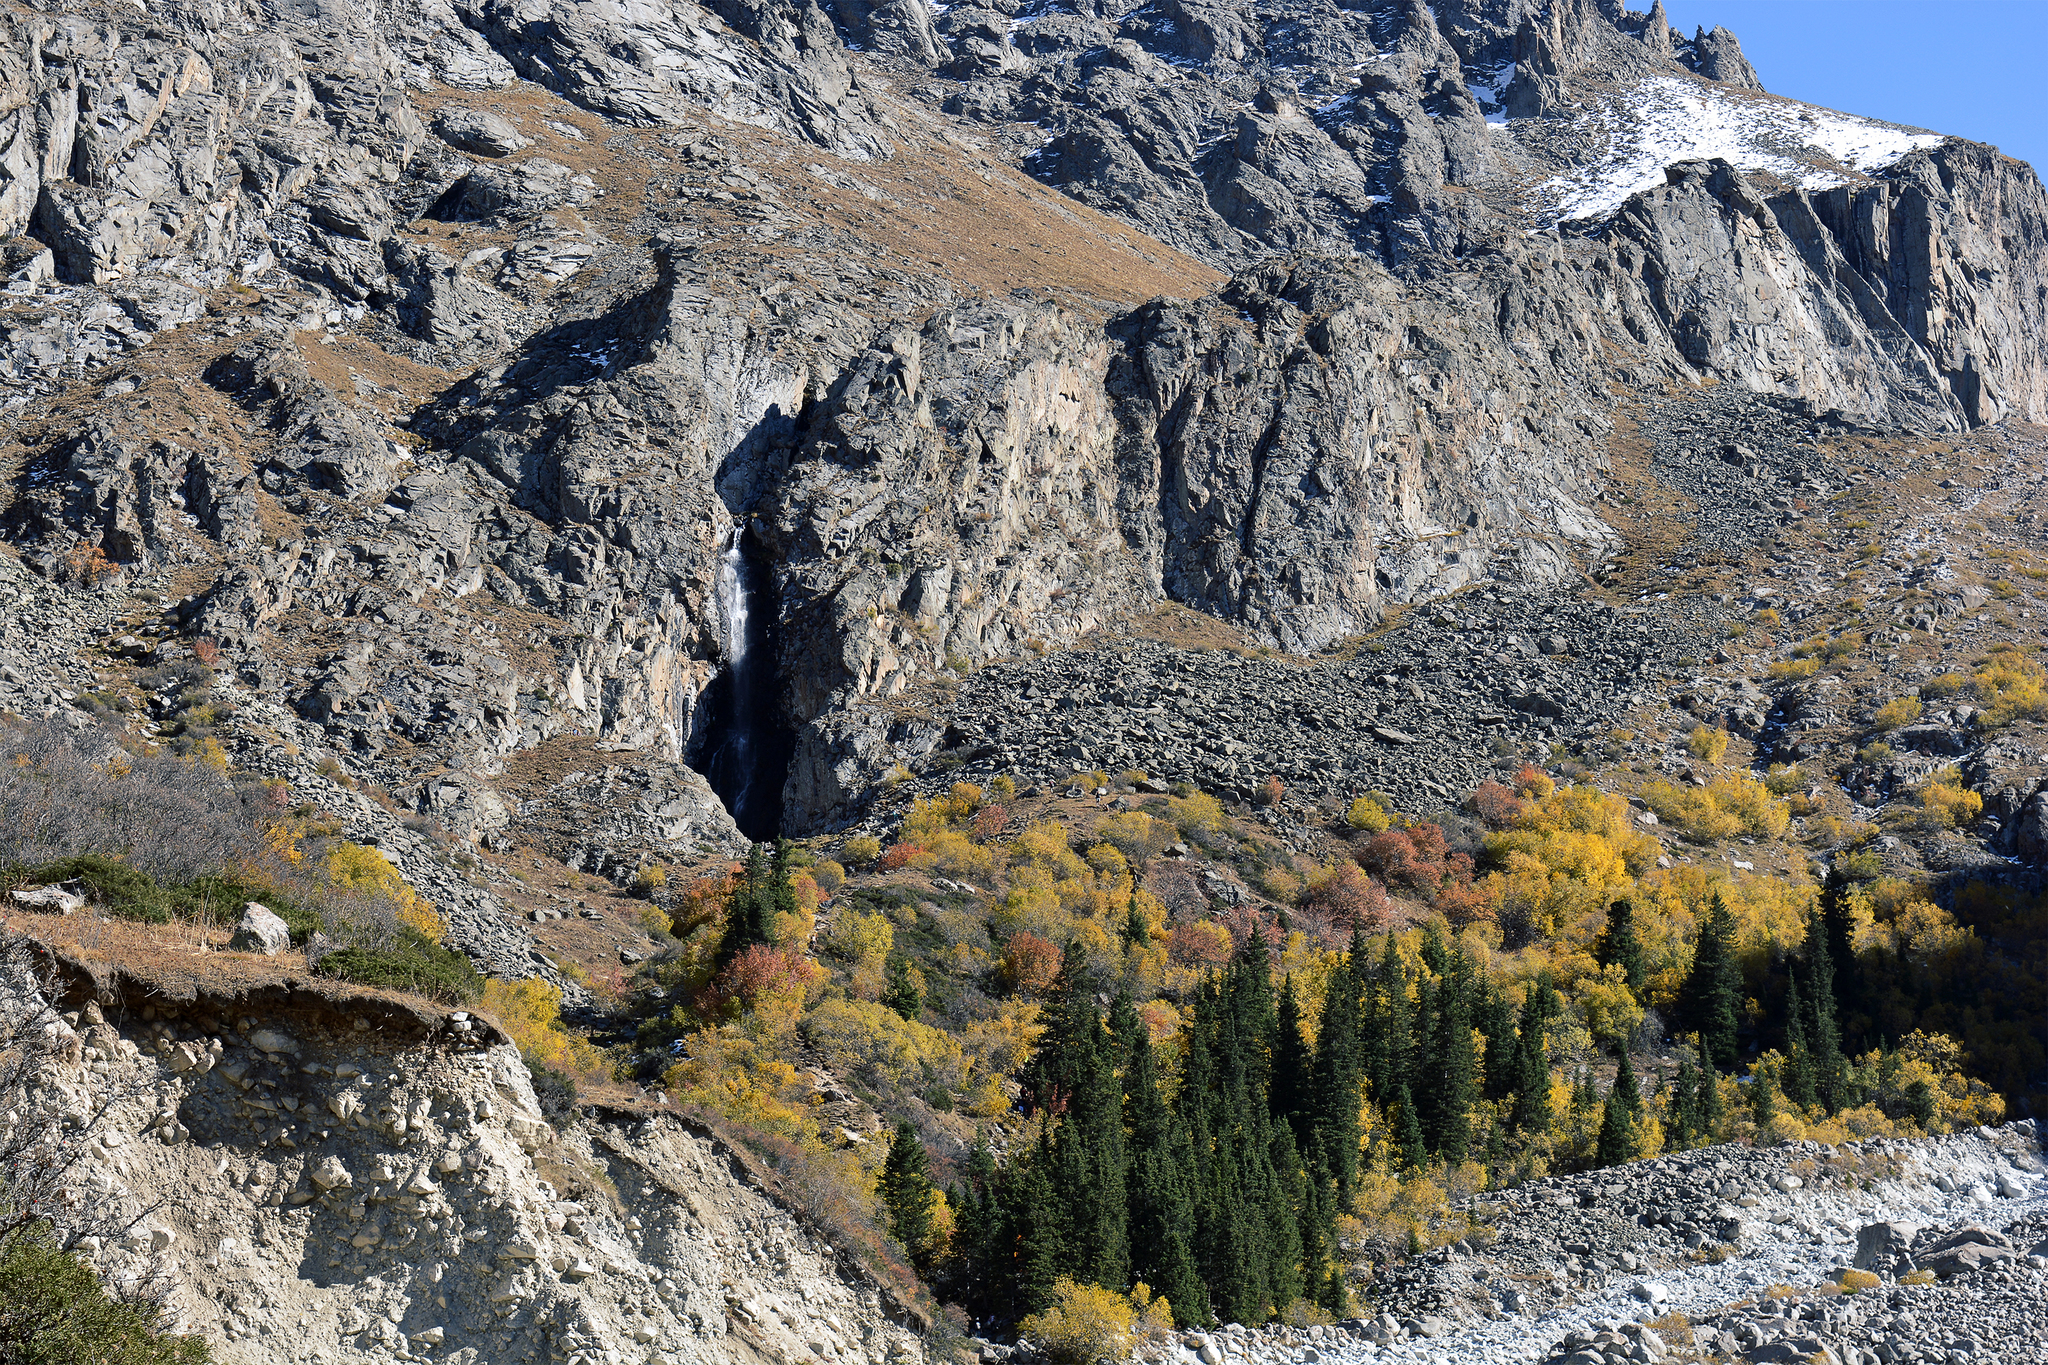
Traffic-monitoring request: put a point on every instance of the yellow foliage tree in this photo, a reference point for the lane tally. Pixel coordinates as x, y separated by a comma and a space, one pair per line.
363, 870
530, 1013
1087, 1324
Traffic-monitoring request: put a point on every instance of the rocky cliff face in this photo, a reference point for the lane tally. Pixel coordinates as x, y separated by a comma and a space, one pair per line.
357, 1180
433, 357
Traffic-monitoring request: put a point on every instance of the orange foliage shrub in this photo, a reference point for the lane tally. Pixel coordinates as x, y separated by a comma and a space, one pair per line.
1199, 943
898, 856
757, 973
1030, 963
1343, 898
1496, 804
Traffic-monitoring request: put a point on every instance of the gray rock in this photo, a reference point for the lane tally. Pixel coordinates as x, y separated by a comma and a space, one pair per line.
61, 898
260, 931
477, 130
1881, 1243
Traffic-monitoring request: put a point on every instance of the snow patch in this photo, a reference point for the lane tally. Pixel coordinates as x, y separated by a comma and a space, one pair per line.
1672, 120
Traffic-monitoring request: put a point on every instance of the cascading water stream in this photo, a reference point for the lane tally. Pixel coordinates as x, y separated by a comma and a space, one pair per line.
739, 740
744, 752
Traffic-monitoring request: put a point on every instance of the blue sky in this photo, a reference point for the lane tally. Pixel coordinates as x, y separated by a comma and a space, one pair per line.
1967, 67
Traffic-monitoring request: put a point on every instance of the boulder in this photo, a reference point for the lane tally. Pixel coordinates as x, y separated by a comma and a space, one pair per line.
61, 898
478, 131
1878, 1243
1966, 1252
260, 931
330, 1174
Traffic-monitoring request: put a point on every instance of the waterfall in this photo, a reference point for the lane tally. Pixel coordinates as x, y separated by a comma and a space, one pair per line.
741, 746
738, 741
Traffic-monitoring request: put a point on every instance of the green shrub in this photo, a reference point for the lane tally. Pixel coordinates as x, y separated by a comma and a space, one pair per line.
54, 1311
412, 962
130, 894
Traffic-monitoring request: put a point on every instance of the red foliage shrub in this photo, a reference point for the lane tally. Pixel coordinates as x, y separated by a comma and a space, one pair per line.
1416, 858
758, 971
1271, 791
1200, 943
990, 821
1030, 963
1343, 900
1461, 902
1496, 804
206, 651
897, 856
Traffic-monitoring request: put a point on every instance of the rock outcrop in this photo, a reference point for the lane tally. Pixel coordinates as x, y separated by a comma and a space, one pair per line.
515, 323
358, 1180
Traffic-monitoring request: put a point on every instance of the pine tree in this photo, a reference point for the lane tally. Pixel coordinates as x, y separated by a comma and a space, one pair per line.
751, 908
1618, 1127
1068, 1014
1798, 1074
1495, 1018
1619, 945
1453, 1077
1709, 1102
1291, 1098
980, 1250
1408, 1132
1846, 978
1713, 989
906, 1189
1685, 1105
902, 993
1162, 1213
1823, 1024
1339, 1071
1625, 1086
1042, 1251
1394, 1023
1530, 1114
1763, 1099
1088, 1167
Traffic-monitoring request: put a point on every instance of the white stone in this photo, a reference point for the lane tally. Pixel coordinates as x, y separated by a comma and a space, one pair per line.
1649, 1291
330, 1174
260, 931
433, 1336
270, 1040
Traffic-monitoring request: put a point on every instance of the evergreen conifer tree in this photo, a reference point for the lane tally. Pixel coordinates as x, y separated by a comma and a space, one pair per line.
1162, 1213
1619, 945
753, 904
1530, 1113
1709, 1102
1291, 1099
1798, 1074
1068, 1014
902, 993
1495, 1018
1618, 1127
1453, 1076
1041, 1252
906, 1189
1763, 1098
1713, 988
1338, 1072
1685, 1105
1088, 1168
1846, 974
1823, 1024
1408, 1131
